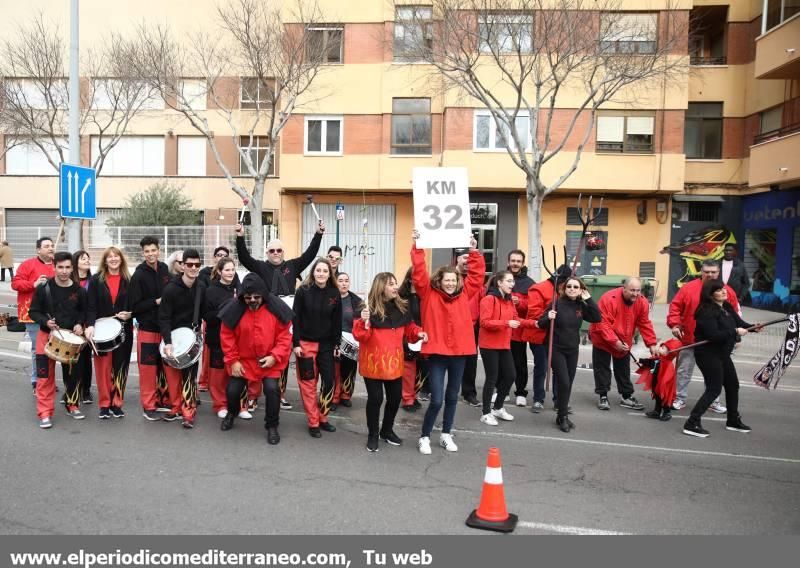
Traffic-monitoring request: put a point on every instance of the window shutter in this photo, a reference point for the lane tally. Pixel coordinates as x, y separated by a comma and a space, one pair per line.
610, 128
640, 125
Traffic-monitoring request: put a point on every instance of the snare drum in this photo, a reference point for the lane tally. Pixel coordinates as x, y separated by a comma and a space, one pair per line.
187, 346
64, 346
348, 346
288, 300
109, 334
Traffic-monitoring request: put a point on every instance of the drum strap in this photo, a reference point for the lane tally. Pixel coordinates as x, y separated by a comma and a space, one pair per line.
198, 297
49, 295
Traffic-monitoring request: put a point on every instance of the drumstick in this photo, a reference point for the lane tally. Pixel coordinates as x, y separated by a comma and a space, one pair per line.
57, 330
245, 201
310, 199
93, 346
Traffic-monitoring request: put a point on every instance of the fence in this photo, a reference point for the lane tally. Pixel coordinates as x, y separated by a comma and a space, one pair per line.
203, 238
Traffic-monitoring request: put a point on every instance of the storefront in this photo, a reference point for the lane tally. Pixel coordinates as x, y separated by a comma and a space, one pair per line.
771, 248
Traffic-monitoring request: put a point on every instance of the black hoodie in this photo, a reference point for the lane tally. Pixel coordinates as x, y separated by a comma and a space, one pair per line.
146, 286
232, 312
281, 279
318, 314
522, 281
217, 295
177, 306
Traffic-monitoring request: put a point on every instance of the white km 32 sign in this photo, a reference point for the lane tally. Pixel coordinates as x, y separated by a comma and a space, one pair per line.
441, 207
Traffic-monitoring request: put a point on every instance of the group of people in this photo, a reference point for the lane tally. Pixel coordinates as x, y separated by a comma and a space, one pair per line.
423, 333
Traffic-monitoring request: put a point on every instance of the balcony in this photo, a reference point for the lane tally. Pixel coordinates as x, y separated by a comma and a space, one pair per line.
773, 157
708, 42
778, 51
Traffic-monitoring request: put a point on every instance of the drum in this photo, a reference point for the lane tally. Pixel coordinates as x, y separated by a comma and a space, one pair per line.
288, 300
348, 346
109, 334
187, 346
64, 346
415, 347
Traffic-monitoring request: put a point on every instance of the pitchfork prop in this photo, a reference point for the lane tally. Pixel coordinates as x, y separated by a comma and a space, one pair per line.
554, 275
587, 218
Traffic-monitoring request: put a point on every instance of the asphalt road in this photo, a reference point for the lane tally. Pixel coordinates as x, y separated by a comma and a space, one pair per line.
617, 472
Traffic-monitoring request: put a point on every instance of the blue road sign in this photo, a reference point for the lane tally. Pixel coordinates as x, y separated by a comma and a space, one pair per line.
77, 192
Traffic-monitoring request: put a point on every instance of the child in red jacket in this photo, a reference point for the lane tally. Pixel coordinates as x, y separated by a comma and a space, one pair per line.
384, 323
498, 319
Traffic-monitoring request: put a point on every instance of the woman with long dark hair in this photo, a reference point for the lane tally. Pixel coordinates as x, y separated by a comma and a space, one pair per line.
415, 365
81, 273
384, 323
221, 290
720, 325
571, 309
108, 297
445, 298
498, 318
317, 333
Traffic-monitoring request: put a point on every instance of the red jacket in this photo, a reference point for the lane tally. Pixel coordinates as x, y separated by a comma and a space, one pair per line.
620, 320
684, 304
27, 273
539, 297
258, 334
447, 319
496, 312
380, 349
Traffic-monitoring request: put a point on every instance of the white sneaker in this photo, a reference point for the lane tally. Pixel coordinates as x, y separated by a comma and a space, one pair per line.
222, 413
424, 445
489, 419
717, 407
494, 396
446, 441
678, 404
502, 414
245, 415
521, 401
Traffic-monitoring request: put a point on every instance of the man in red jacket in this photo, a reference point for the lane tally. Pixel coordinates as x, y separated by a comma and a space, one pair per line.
624, 310
680, 319
31, 274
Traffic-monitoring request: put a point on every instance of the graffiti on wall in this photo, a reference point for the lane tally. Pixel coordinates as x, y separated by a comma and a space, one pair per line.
697, 246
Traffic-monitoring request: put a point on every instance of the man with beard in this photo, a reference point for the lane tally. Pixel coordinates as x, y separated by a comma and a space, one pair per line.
519, 296
256, 340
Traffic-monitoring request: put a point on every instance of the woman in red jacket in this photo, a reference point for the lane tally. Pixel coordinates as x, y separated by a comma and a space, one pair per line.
384, 323
498, 318
445, 313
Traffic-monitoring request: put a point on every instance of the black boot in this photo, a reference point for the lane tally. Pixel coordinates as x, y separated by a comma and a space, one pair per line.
656, 412
562, 424
227, 422
273, 438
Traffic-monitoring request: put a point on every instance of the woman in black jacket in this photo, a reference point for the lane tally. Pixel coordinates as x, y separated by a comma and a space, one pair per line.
108, 297
573, 307
221, 290
720, 325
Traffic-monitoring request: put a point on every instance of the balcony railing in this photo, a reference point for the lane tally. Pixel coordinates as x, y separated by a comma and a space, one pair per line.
697, 60
779, 133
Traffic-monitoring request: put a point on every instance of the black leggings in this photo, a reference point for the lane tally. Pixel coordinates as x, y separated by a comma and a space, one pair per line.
564, 365
718, 372
499, 367
394, 394
236, 393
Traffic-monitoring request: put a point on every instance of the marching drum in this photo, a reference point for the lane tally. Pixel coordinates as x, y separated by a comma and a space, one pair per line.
348, 346
109, 334
187, 346
64, 346
288, 300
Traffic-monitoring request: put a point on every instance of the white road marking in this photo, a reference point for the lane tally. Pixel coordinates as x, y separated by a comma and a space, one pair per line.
568, 529
631, 446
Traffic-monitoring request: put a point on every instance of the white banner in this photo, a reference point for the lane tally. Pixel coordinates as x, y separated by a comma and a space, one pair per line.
441, 207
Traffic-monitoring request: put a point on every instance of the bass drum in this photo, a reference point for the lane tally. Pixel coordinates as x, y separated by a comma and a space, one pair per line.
187, 347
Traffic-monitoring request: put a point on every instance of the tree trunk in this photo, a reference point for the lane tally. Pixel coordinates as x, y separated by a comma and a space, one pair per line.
256, 227
535, 198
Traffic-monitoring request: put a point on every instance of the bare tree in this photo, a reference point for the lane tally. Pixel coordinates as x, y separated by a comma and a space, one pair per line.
254, 75
521, 59
34, 98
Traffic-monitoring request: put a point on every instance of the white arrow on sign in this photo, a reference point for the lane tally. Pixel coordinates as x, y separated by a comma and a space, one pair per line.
83, 194
69, 191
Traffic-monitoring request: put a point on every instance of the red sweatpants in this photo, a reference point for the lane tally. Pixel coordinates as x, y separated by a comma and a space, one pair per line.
183, 390
317, 407
151, 370
345, 379
46, 381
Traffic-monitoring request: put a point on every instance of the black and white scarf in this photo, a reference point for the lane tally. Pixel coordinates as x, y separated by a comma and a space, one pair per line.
772, 372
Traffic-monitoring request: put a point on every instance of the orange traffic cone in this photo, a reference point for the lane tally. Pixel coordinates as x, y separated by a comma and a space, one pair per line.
491, 513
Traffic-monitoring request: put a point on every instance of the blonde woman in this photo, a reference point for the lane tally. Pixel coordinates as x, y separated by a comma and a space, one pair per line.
109, 297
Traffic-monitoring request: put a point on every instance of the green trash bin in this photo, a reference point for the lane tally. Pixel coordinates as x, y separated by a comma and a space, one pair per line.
599, 285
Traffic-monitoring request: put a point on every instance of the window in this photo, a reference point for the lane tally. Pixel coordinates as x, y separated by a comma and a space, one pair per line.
324, 43
257, 149
193, 93
622, 32
191, 155
703, 212
132, 156
505, 32
778, 11
625, 133
411, 126
574, 219
702, 136
255, 94
771, 120
486, 135
31, 94
27, 159
323, 135
413, 33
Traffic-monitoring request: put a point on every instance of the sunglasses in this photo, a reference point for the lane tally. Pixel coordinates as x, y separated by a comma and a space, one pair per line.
191, 264
220, 255
273, 251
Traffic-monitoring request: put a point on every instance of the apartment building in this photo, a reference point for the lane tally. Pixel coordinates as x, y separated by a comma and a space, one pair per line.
710, 157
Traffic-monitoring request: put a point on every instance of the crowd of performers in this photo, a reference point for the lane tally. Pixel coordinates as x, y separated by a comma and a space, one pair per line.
415, 339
